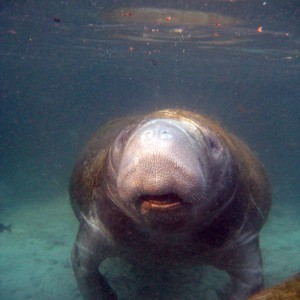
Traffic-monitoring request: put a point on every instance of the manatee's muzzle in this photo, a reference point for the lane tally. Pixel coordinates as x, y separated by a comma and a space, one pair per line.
160, 169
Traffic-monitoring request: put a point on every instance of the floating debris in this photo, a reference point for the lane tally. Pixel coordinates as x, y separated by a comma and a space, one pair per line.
260, 29
153, 62
56, 20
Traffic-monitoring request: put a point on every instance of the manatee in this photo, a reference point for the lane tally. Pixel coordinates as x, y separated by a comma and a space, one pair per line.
167, 188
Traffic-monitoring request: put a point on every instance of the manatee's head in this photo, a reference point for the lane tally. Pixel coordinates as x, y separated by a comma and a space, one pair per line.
167, 173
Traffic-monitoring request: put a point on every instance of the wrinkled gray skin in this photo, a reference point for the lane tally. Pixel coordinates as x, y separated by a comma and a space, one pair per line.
168, 192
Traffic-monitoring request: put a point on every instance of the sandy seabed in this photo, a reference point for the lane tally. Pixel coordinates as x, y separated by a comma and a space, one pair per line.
35, 258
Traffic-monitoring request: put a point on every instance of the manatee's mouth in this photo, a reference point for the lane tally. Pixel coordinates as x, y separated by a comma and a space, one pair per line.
159, 202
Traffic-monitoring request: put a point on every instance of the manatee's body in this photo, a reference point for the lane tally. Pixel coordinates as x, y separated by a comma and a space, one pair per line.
167, 188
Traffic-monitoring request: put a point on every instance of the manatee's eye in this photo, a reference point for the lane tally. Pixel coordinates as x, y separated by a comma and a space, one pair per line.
213, 143
215, 146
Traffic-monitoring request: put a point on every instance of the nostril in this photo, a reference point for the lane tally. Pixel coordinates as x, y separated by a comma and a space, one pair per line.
147, 134
165, 134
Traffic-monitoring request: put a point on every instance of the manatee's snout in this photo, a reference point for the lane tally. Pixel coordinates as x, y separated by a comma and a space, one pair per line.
160, 166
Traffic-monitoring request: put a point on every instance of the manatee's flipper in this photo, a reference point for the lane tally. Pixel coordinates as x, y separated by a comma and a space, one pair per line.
244, 265
88, 252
